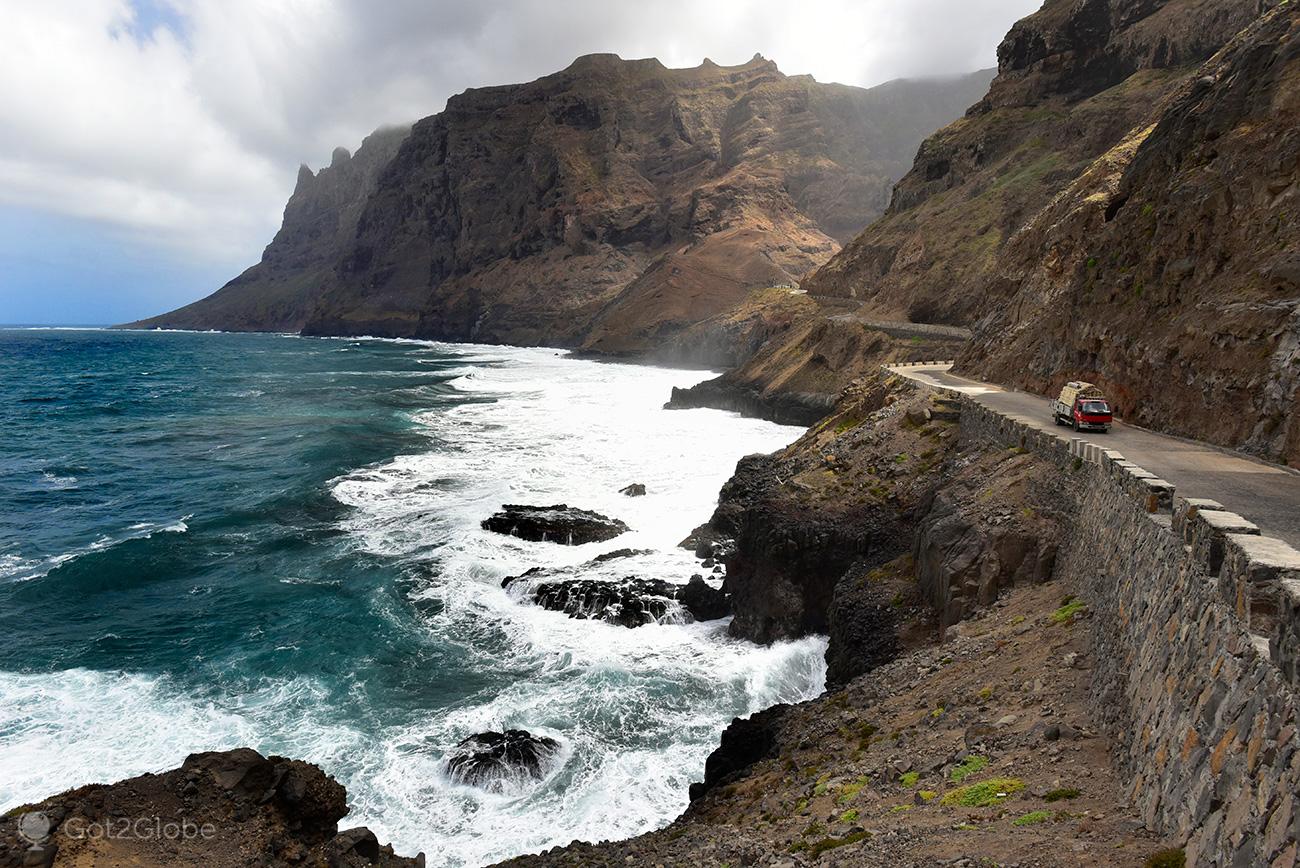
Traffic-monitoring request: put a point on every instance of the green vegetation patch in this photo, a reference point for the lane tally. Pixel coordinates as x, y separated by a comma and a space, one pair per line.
1068, 610
849, 816
1031, 818
848, 791
968, 767
1061, 793
1171, 858
983, 794
909, 779
825, 844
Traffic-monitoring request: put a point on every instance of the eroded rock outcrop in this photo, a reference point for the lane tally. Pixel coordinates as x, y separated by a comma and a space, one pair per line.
559, 523
502, 762
790, 525
862, 624
997, 522
228, 808
320, 219
628, 601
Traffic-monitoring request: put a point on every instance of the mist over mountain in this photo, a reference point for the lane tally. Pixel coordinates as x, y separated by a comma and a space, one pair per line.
608, 205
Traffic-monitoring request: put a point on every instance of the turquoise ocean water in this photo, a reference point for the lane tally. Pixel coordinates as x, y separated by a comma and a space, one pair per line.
213, 540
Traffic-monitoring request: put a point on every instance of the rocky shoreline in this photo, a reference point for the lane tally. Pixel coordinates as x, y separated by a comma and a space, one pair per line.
881, 528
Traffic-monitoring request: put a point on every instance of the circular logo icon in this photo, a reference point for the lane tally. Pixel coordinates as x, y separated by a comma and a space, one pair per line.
34, 827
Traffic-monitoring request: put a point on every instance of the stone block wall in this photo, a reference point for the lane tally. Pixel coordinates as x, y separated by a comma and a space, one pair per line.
1195, 622
1203, 720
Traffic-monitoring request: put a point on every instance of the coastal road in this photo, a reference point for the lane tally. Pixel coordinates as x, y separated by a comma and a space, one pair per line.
1264, 493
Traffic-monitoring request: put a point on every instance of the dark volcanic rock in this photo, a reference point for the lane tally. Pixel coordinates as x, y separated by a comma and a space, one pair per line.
501, 761
744, 742
784, 408
239, 808
863, 628
703, 601
560, 523
636, 489
629, 602
788, 558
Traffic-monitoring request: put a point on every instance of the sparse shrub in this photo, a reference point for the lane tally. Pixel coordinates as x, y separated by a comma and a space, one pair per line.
968, 767
831, 843
927, 795
1061, 793
909, 779
848, 791
849, 816
1170, 858
986, 693
983, 794
898, 809
1031, 818
1068, 610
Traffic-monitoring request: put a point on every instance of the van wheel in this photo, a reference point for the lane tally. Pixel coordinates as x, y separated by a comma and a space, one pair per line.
1074, 424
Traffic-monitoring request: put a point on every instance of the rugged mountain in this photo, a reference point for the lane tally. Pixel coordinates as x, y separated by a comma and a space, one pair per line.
279, 293
609, 206
1169, 272
1120, 207
1074, 79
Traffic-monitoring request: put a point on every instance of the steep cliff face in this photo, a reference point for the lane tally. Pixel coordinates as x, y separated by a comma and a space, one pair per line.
1074, 79
1170, 271
1120, 208
610, 206
278, 293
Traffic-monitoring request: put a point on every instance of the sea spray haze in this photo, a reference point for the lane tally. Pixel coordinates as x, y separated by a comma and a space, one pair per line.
211, 540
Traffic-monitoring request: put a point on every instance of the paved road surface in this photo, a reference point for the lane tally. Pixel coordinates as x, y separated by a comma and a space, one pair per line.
1264, 493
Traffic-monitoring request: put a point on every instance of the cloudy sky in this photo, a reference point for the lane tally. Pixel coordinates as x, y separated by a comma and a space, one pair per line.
147, 146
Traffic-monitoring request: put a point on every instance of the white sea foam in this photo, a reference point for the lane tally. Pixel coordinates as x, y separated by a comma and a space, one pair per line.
637, 711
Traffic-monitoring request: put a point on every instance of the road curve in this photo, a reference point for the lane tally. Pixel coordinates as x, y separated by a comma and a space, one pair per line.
1266, 494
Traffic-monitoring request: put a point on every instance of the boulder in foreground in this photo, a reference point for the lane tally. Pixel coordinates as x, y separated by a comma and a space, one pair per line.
226, 808
560, 523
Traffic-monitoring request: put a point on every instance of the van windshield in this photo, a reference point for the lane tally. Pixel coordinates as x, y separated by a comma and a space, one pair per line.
1094, 408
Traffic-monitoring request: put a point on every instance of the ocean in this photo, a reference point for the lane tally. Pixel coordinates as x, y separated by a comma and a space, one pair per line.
217, 540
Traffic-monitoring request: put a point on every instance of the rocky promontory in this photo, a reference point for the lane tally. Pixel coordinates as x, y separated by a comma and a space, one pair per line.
228, 808
559, 523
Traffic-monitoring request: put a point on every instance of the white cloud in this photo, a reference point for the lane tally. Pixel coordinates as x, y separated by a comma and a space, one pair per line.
190, 137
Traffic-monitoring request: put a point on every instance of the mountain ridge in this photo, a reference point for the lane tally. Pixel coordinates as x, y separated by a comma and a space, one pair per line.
521, 213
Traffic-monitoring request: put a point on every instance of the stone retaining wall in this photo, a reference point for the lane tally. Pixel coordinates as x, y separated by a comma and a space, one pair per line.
1195, 621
